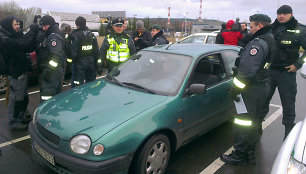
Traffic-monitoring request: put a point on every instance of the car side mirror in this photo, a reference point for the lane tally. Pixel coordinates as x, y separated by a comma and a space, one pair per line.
196, 89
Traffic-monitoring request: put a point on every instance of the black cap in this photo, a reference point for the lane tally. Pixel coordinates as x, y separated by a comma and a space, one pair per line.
47, 20
80, 21
155, 26
284, 9
118, 22
260, 18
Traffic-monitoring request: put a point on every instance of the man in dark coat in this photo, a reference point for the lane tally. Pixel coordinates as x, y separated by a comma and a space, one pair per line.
51, 58
141, 37
290, 36
250, 89
14, 47
158, 37
85, 52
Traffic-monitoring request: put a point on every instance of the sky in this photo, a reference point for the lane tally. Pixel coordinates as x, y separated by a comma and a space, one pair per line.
223, 10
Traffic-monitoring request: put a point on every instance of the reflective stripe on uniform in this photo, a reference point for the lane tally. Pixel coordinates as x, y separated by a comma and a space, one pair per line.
294, 31
69, 60
243, 122
305, 59
46, 97
76, 82
238, 83
99, 61
52, 63
117, 53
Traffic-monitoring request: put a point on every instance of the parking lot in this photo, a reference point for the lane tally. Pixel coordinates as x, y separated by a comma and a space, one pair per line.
199, 156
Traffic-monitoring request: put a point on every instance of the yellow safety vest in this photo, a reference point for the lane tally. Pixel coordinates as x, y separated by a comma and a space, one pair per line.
117, 53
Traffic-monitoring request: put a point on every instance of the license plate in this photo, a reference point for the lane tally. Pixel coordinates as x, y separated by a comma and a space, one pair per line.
47, 156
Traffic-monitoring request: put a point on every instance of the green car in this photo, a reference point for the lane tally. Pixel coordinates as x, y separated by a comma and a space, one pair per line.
131, 120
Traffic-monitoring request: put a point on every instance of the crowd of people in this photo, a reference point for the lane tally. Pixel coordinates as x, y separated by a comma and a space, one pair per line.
269, 59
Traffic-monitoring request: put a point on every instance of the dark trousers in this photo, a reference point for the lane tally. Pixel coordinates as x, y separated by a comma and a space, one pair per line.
51, 82
254, 96
18, 99
84, 70
287, 88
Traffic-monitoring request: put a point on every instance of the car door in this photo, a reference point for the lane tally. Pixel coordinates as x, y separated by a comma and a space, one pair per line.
203, 112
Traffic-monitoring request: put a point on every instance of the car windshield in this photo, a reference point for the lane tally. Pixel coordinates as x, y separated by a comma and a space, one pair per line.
194, 39
154, 72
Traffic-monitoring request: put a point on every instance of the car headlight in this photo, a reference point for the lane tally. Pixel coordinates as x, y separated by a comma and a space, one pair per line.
34, 116
80, 144
295, 167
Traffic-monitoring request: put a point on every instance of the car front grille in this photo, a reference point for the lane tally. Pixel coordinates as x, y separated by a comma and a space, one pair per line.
47, 134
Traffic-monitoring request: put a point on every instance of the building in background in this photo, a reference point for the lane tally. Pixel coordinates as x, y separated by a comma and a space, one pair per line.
92, 20
205, 26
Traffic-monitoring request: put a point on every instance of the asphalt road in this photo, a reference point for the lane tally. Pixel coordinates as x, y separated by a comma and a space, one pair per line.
197, 157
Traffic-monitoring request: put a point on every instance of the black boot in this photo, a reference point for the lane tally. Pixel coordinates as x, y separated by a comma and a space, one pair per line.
288, 128
235, 158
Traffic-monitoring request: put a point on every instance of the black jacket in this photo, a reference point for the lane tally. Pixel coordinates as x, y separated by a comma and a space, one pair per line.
53, 47
78, 39
289, 37
252, 68
144, 39
159, 39
15, 46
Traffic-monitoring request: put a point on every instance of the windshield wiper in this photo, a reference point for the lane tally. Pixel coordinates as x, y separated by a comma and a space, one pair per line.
114, 80
139, 87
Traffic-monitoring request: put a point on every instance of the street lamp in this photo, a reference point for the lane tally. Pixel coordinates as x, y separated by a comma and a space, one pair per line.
185, 20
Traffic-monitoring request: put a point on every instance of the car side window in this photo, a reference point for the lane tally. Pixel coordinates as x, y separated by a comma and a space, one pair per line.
229, 58
208, 71
194, 39
211, 40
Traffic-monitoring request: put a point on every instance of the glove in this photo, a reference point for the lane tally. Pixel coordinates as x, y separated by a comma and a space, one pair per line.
34, 28
234, 91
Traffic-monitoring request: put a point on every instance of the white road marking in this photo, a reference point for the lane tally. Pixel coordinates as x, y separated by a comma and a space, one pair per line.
34, 92
217, 164
15, 141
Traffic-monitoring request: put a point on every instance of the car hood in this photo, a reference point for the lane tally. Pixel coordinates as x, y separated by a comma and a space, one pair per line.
93, 109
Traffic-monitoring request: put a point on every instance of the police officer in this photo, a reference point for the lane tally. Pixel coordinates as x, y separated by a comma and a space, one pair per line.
117, 46
289, 36
14, 46
51, 58
85, 52
251, 78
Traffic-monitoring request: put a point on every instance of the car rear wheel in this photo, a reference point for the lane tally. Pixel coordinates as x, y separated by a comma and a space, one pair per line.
2, 84
154, 156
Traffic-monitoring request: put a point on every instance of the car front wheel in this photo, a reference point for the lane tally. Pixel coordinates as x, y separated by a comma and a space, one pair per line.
154, 156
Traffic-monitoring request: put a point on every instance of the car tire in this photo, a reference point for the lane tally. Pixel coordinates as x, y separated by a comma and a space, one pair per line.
2, 84
154, 156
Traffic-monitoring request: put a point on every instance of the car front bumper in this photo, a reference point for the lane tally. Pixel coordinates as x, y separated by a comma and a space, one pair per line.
65, 163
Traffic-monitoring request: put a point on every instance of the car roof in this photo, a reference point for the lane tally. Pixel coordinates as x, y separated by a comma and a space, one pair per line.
203, 34
193, 50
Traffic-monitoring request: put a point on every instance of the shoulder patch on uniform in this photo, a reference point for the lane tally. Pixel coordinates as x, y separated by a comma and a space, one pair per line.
253, 51
53, 43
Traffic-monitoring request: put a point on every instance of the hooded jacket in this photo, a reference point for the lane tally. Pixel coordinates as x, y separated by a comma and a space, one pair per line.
15, 46
289, 37
231, 37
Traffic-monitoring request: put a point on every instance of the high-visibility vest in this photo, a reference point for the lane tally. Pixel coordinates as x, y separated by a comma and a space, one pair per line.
117, 53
